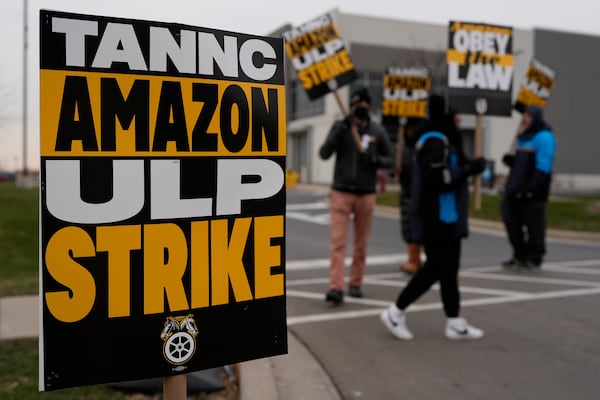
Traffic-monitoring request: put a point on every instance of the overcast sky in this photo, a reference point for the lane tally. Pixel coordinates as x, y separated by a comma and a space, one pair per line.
255, 17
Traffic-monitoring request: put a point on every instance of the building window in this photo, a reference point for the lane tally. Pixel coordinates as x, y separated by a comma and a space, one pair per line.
302, 105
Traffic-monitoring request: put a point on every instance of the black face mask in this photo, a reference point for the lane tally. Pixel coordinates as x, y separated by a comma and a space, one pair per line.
362, 113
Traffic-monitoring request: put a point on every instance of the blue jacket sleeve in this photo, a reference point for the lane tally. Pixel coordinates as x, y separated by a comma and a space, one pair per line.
545, 146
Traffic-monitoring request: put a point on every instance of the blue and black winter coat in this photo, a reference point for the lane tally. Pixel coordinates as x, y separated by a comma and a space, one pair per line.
531, 166
439, 206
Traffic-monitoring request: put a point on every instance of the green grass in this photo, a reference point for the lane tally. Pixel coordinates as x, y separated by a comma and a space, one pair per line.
19, 377
573, 213
18, 240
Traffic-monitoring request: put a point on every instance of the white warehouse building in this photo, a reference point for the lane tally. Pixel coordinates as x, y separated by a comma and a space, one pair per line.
377, 43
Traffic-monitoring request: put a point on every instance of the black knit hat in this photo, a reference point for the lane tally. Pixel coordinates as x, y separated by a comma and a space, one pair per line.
361, 94
436, 106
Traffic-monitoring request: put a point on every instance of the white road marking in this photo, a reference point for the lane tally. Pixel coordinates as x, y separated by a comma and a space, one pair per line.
338, 315
323, 263
307, 206
294, 211
319, 219
488, 273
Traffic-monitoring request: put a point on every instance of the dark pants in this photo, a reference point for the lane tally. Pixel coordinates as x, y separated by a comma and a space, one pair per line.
443, 259
525, 222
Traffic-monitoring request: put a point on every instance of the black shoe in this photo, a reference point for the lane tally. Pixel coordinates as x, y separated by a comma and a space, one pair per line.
510, 263
355, 291
334, 296
532, 264
514, 262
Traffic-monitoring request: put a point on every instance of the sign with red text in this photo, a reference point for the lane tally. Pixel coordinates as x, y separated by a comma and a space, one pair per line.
405, 94
480, 68
319, 56
536, 87
162, 199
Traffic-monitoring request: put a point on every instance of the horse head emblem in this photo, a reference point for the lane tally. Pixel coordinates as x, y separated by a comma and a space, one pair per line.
179, 324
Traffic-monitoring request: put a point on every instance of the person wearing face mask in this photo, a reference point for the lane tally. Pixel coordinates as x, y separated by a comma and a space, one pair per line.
361, 147
527, 190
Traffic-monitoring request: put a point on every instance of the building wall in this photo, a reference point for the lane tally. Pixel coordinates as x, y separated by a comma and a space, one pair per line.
572, 109
376, 43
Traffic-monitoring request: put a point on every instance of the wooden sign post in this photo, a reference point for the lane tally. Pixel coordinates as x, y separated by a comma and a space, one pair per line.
400, 144
353, 130
480, 109
175, 387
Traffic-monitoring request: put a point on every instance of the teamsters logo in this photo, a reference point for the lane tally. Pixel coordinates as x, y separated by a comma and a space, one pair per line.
179, 336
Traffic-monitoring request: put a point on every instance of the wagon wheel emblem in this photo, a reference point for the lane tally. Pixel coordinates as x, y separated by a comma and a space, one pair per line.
179, 347
179, 336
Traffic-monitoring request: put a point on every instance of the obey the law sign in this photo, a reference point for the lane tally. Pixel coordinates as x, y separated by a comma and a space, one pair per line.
480, 66
162, 199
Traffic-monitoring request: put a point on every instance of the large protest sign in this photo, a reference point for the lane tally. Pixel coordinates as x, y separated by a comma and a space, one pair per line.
480, 66
405, 94
319, 56
162, 199
536, 87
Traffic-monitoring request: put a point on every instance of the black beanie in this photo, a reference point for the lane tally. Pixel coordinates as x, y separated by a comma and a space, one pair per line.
436, 106
361, 94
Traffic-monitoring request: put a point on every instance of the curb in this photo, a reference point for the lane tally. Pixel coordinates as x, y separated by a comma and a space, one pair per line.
296, 375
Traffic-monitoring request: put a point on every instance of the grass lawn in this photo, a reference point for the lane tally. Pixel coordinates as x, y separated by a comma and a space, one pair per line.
19, 377
18, 240
19, 380
573, 213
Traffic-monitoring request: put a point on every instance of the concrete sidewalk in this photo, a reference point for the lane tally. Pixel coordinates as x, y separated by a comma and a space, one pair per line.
19, 317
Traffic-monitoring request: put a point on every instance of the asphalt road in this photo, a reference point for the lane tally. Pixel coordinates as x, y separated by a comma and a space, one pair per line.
542, 327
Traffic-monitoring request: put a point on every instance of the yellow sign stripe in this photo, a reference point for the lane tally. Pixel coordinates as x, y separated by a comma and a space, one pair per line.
52, 92
462, 58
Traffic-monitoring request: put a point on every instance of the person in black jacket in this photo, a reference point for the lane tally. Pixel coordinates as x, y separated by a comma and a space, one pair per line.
527, 190
439, 215
361, 147
403, 169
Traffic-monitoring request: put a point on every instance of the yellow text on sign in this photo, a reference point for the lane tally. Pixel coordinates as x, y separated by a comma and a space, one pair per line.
321, 72
213, 255
399, 108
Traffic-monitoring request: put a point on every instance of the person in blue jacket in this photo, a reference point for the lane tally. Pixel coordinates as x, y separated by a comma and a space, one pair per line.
527, 190
439, 213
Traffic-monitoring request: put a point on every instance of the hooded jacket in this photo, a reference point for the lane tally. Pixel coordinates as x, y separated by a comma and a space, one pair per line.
531, 166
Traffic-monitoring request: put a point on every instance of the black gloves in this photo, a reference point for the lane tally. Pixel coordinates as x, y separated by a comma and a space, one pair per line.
508, 159
477, 166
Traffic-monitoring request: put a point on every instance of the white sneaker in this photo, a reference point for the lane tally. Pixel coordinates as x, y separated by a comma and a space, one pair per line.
458, 329
395, 321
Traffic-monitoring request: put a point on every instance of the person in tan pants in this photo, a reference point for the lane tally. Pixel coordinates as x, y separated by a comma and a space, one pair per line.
361, 147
